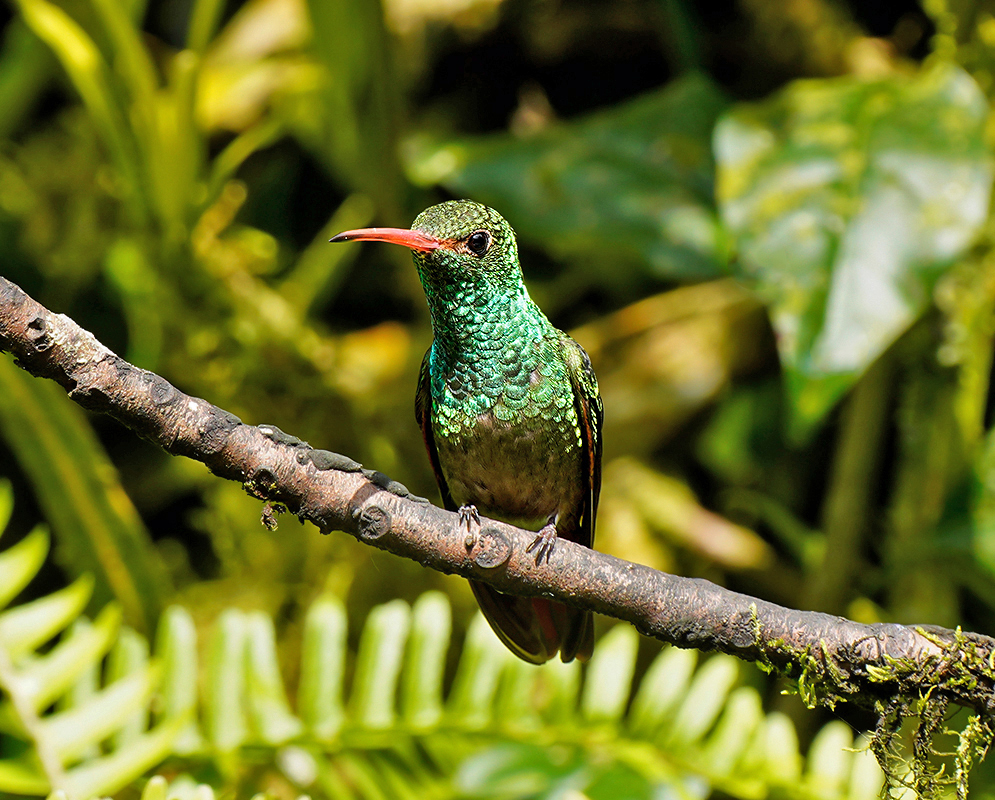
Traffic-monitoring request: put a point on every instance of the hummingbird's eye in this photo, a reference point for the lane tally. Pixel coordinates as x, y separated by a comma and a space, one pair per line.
478, 242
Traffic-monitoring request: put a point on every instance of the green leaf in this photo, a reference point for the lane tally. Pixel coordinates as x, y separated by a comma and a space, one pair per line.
431, 624
88, 72
6, 504
24, 628
515, 700
180, 787
352, 124
704, 700
84, 683
621, 781
847, 197
133, 61
513, 770
632, 182
228, 161
116, 770
472, 696
661, 690
320, 269
511, 729
226, 718
866, 778
609, 675
830, 759
129, 656
268, 706
155, 789
203, 23
69, 733
26, 67
561, 687
20, 563
780, 743
740, 720
53, 673
394, 777
323, 668
22, 776
378, 664
176, 649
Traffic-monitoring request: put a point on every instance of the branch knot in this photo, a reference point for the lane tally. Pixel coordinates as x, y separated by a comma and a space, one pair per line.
374, 522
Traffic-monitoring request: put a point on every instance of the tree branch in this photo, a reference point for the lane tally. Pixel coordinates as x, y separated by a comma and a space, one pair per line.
885, 667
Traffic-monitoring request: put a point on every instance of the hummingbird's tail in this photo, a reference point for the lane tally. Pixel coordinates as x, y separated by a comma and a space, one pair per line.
534, 628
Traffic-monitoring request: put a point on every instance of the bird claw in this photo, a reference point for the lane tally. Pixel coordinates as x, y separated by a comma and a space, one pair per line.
469, 516
544, 543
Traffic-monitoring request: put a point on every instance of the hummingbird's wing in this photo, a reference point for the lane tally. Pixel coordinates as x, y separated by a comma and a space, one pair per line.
423, 413
590, 415
578, 640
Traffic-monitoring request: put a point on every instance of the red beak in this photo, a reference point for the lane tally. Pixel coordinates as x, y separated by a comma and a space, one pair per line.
415, 240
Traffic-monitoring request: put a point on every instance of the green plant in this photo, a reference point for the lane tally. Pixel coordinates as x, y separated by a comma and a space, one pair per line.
48, 746
830, 416
502, 729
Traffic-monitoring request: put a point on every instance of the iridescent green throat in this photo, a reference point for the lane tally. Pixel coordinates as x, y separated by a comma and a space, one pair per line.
493, 353
484, 340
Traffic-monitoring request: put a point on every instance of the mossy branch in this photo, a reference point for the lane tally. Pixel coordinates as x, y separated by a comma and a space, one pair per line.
884, 667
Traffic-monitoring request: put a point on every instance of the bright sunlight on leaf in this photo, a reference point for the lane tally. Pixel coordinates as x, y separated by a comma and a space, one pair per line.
846, 198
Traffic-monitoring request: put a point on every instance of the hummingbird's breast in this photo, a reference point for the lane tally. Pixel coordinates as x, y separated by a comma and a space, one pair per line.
507, 432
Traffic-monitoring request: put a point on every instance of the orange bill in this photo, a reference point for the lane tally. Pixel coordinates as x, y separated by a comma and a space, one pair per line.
415, 240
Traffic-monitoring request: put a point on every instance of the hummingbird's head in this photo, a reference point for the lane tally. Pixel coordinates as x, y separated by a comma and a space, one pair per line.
456, 242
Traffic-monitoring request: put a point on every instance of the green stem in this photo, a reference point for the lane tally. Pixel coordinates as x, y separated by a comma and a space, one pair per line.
847, 507
931, 457
204, 20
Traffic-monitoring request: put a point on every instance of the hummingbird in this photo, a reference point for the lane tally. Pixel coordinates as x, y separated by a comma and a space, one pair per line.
509, 409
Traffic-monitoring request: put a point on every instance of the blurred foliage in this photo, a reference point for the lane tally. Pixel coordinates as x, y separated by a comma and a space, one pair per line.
847, 198
769, 224
632, 185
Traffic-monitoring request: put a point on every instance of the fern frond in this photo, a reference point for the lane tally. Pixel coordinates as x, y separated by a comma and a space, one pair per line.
80, 746
504, 728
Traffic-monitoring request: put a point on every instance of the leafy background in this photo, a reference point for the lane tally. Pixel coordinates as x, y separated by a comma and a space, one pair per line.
767, 222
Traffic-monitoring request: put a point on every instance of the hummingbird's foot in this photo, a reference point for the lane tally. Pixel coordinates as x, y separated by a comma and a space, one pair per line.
544, 543
469, 516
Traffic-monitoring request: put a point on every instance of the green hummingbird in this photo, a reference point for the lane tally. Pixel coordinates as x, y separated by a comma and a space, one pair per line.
509, 408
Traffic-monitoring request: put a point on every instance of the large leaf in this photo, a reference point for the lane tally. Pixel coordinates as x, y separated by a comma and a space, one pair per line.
847, 198
631, 182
